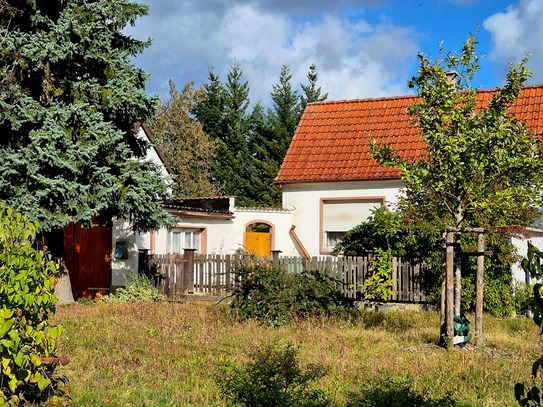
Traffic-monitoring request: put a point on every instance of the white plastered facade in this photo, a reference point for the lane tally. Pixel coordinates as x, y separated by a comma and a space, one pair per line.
303, 205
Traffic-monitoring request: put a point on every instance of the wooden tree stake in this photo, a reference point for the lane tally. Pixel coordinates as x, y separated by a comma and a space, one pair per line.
479, 299
449, 293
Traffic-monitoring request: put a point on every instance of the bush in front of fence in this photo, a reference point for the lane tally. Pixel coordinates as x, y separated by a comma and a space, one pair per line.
275, 296
138, 289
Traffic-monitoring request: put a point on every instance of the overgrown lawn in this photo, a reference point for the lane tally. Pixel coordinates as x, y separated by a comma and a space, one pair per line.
166, 354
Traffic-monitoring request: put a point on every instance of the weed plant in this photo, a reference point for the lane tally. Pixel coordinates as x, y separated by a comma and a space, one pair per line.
138, 289
272, 378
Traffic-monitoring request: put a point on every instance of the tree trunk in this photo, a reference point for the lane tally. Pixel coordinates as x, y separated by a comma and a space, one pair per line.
63, 289
55, 245
457, 286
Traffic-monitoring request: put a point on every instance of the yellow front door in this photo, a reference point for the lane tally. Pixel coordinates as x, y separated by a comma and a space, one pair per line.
257, 243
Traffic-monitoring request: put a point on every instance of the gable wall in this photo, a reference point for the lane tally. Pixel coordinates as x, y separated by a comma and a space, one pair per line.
305, 201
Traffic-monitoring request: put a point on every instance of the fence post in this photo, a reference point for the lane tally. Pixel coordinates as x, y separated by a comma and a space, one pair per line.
275, 256
188, 269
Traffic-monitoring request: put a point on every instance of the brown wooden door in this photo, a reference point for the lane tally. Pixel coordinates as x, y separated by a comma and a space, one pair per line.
88, 259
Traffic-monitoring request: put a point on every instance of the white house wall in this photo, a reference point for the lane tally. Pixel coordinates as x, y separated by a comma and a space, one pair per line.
535, 236
226, 236
122, 268
305, 202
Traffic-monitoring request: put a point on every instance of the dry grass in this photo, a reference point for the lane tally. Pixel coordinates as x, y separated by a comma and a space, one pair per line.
163, 354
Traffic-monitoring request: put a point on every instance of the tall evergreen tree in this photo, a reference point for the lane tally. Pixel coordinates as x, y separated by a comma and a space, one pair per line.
68, 150
224, 117
311, 93
283, 116
210, 110
260, 136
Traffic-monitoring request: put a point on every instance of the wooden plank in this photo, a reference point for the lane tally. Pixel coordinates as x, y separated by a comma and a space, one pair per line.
396, 282
328, 267
405, 281
339, 275
227, 274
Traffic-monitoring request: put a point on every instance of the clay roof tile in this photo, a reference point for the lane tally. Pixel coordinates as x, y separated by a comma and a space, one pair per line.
331, 142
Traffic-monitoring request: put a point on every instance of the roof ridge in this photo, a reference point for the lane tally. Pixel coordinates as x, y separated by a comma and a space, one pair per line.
399, 97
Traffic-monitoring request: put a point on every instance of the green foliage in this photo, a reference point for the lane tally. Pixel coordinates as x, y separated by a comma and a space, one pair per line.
273, 377
522, 293
188, 150
275, 296
28, 343
533, 264
138, 289
311, 93
396, 392
69, 152
224, 118
251, 146
482, 166
498, 295
378, 287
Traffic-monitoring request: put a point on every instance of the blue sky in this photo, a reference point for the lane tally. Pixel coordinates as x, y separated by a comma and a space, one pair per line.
362, 48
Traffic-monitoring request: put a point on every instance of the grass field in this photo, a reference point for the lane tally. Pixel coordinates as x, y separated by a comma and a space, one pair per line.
166, 354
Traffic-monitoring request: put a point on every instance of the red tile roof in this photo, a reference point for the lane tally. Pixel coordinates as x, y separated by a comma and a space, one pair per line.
332, 140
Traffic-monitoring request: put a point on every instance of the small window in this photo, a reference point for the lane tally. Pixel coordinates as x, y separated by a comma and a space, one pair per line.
333, 238
340, 215
181, 238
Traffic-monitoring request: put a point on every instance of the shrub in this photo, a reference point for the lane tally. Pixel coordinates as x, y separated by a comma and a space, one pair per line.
138, 289
498, 296
396, 392
378, 287
522, 295
28, 343
275, 296
273, 377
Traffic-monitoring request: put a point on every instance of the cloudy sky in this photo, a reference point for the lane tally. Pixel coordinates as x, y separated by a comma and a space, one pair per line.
362, 48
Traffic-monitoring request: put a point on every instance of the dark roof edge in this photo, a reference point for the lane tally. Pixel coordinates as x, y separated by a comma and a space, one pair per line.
151, 137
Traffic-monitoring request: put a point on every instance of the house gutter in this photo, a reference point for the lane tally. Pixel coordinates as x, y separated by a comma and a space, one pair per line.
299, 242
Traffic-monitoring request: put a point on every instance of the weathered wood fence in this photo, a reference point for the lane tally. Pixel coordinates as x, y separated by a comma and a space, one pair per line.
213, 274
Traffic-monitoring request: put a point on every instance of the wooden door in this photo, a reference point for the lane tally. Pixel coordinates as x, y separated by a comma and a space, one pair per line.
88, 259
258, 243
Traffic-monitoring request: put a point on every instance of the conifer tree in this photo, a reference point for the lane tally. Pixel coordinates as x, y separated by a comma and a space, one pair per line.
283, 116
311, 93
260, 136
224, 117
69, 152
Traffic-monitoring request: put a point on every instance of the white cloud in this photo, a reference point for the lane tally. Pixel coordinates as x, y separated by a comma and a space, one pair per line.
516, 32
354, 59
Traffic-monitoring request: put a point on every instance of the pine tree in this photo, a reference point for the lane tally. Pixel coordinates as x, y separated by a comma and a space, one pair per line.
223, 115
311, 93
189, 151
283, 116
69, 152
260, 135
210, 110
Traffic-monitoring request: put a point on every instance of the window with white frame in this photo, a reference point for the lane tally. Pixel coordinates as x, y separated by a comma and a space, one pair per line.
340, 215
184, 238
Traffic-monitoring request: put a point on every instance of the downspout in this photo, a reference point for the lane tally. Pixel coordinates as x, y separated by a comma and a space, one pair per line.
299, 242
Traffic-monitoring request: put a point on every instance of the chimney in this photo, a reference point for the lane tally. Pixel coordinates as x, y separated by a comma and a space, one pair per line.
451, 78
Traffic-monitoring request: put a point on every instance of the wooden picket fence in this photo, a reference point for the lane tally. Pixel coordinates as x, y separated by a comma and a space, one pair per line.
215, 275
